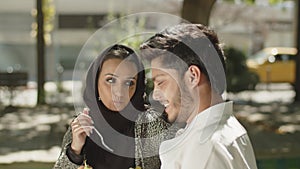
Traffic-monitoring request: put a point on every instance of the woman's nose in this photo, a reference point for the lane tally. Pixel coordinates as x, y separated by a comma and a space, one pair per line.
119, 90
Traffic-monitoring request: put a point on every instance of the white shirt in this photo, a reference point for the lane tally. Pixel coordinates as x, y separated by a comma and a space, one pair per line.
213, 140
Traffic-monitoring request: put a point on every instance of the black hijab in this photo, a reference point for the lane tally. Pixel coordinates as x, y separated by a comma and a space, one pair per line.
112, 145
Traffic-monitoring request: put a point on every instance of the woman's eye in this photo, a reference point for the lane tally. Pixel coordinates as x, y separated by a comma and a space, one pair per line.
129, 83
111, 80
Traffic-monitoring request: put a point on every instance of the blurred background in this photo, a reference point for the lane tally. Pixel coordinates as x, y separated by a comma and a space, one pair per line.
40, 41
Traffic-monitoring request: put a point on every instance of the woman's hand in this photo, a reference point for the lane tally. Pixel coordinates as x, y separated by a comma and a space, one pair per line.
82, 126
84, 167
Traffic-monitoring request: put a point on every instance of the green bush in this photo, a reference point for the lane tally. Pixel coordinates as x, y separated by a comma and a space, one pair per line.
238, 76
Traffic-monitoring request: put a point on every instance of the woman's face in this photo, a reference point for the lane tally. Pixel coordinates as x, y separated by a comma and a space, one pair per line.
117, 83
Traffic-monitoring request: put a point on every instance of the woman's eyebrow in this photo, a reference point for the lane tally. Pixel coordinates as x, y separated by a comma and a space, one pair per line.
111, 74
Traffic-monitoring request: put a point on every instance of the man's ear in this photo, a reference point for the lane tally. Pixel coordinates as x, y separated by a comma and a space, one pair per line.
194, 75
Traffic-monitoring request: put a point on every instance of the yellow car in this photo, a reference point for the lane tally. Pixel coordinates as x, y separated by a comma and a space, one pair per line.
274, 65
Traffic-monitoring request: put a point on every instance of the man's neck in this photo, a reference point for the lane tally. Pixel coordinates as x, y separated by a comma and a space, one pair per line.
205, 103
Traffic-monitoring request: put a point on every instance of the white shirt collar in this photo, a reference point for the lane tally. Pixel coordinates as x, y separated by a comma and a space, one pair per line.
206, 122
211, 118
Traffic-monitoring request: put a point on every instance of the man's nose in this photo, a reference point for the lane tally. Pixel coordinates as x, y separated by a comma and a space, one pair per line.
157, 94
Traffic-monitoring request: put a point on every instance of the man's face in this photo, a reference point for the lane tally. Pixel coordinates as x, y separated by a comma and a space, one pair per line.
170, 91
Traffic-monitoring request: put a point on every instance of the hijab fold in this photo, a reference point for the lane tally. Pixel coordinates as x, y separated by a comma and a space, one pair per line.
116, 128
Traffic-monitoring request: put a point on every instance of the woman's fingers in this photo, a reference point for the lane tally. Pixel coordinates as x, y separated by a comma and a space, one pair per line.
80, 126
79, 134
86, 130
83, 122
85, 117
86, 111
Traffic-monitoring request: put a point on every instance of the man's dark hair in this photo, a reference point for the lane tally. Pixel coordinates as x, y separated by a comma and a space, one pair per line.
183, 45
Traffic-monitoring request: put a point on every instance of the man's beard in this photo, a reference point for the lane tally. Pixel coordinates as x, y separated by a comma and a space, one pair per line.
164, 116
186, 103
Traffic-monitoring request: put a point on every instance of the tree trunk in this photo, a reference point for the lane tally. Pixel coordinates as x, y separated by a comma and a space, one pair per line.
297, 83
40, 53
197, 11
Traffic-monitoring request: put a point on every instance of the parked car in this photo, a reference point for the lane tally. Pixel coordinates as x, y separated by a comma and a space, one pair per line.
274, 64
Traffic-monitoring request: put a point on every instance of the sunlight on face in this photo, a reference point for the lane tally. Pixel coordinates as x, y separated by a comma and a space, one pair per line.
171, 92
117, 83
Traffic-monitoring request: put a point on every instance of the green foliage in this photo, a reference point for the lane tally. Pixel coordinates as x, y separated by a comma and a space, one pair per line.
149, 85
250, 2
244, 1
272, 2
238, 76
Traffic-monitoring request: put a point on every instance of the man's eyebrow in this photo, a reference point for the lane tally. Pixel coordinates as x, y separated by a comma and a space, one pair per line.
131, 78
155, 77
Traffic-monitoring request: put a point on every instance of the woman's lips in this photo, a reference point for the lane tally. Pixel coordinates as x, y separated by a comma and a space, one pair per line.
118, 102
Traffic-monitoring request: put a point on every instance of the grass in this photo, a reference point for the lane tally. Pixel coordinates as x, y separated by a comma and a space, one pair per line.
30, 165
291, 163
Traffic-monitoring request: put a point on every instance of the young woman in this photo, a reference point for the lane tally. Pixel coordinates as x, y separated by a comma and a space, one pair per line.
108, 135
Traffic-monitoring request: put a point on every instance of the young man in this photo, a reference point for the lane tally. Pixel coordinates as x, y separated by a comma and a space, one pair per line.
188, 68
